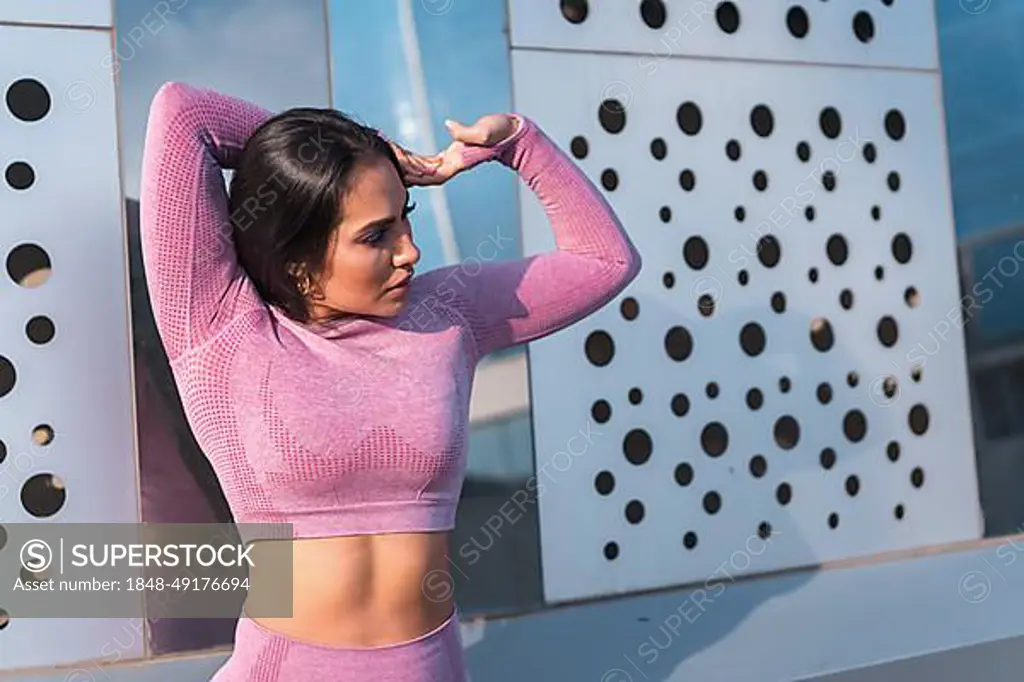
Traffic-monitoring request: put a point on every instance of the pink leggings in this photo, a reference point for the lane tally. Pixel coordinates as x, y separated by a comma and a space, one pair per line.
261, 655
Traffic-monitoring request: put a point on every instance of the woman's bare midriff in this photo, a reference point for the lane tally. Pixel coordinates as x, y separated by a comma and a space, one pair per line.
362, 591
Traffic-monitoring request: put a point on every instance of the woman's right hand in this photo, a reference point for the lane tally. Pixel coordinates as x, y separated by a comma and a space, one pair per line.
488, 131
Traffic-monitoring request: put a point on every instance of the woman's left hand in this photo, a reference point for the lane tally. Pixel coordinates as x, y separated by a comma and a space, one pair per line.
434, 170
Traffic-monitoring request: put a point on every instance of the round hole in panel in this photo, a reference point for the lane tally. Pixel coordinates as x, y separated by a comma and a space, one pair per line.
918, 419
42, 434
740, 214
837, 250
752, 339
762, 120
892, 451
690, 540
912, 297
8, 378
612, 116
895, 125
827, 458
43, 495
760, 181
899, 512
787, 432
769, 251
852, 379
727, 16
665, 213
855, 426
579, 147
830, 122
604, 483
822, 337
833, 520
852, 485
653, 13
888, 331
863, 27
609, 179
764, 530
680, 405
636, 396
846, 299
743, 277
659, 150
3, 451
803, 152
785, 384
809, 214
611, 551
689, 118
755, 399
784, 494
798, 22
687, 180
695, 253
601, 411
668, 280
779, 302
876, 213
635, 511
19, 175
706, 305
824, 393
637, 446
758, 466
712, 502
879, 273
714, 439
902, 249
575, 11
678, 343
28, 100
893, 181
3, 537
828, 181
812, 275
599, 348
40, 330
684, 474
917, 477
711, 390
29, 265
629, 308
870, 152
5, 619
732, 150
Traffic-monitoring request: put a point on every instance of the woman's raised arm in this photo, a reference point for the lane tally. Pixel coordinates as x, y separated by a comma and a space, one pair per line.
510, 302
195, 283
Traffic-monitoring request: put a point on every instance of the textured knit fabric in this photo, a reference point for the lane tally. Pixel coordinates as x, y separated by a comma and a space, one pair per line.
264, 656
360, 426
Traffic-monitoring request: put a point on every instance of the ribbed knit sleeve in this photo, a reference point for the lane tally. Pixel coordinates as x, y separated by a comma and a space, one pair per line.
195, 283
509, 302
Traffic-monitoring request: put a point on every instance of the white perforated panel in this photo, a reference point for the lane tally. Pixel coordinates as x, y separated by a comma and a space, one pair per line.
65, 374
68, 12
864, 32
661, 463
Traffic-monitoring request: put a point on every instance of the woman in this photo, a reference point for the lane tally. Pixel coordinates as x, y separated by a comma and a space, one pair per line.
328, 386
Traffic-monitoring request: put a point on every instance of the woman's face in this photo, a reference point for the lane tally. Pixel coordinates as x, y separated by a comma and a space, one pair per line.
371, 256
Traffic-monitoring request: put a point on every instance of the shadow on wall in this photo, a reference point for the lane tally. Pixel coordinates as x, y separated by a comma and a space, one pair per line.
177, 484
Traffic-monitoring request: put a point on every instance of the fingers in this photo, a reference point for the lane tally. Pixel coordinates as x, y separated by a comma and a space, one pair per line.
474, 134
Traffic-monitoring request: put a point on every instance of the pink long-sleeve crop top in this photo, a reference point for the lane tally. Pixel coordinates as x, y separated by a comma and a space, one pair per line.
363, 429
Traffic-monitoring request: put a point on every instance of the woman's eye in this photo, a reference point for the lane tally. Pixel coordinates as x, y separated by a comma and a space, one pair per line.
374, 236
